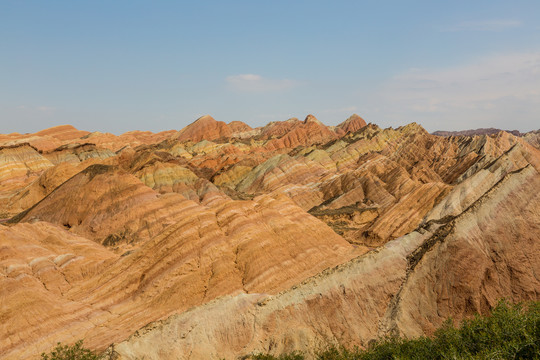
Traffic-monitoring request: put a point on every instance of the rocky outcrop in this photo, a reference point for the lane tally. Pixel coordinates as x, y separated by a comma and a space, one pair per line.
239, 126
475, 261
533, 138
45, 140
450, 267
19, 164
352, 124
171, 253
309, 132
49, 180
76, 153
472, 132
204, 128
39, 265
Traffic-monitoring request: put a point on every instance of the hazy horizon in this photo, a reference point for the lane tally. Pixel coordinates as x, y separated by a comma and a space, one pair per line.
137, 65
300, 119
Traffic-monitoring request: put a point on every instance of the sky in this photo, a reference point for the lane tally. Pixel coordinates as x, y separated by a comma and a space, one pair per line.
117, 66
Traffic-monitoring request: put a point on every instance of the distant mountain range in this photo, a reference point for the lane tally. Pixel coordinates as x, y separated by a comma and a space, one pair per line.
481, 131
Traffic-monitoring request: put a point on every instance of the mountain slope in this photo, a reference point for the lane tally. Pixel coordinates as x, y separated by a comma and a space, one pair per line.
248, 239
455, 266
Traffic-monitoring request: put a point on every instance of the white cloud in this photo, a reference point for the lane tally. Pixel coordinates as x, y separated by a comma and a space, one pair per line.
257, 83
499, 91
43, 109
485, 25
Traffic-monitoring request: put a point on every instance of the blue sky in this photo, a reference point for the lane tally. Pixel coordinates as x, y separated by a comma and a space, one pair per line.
154, 65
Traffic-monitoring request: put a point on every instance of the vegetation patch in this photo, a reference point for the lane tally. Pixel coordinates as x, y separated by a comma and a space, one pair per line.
70, 352
510, 332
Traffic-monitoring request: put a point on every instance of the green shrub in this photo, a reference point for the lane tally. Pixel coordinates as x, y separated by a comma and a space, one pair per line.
292, 356
70, 352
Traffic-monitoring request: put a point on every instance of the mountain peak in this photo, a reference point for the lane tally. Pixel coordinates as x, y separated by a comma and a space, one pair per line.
205, 127
352, 124
313, 119
204, 119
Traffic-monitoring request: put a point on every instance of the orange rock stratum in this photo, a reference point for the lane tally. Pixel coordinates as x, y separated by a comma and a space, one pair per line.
221, 240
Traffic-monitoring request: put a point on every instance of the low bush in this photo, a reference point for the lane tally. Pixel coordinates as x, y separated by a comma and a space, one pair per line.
70, 352
292, 356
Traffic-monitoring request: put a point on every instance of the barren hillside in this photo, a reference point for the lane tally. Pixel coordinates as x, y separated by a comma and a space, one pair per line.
220, 240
